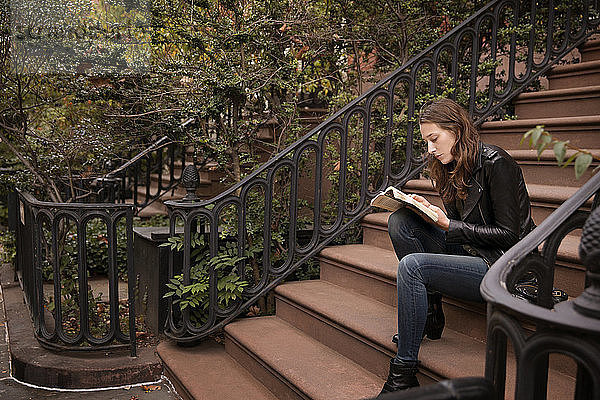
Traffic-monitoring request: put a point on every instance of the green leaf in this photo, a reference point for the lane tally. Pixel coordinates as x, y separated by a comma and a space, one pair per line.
535, 135
560, 150
526, 135
582, 163
168, 294
570, 160
545, 141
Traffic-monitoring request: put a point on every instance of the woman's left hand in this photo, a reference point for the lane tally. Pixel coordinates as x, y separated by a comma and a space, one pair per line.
443, 221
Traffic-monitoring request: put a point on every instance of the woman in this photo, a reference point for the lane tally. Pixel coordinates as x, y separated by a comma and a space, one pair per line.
487, 212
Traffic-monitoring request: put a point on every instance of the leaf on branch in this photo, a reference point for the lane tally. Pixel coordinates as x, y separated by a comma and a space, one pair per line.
570, 160
582, 162
560, 150
545, 141
535, 135
530, 132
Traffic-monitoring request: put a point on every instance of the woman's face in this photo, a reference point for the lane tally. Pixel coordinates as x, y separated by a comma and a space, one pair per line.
439, 141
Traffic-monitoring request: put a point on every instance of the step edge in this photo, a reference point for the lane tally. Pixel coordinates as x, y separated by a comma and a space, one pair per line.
269, 368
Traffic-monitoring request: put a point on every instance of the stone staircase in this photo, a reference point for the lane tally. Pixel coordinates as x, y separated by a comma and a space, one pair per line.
330, 338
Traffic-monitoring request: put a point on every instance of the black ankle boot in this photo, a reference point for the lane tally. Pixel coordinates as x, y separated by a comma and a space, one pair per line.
435, 316
434, 326
402, 376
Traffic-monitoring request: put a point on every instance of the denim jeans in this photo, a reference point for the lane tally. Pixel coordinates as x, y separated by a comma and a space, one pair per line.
427, 263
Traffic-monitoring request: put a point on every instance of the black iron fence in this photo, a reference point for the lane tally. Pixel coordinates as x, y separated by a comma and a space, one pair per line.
61, 245
147, 176
241, 244
570, 328
53, 261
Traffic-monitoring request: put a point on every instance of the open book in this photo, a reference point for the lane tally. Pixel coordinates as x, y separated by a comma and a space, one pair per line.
391, 199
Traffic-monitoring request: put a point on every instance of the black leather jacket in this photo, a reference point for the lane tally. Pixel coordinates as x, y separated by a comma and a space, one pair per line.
496, 212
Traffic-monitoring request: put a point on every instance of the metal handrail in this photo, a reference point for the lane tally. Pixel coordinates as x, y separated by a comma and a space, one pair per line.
562, 328
122, 184
473, 38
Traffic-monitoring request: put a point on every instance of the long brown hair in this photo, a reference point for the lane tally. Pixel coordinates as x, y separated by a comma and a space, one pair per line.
451, 180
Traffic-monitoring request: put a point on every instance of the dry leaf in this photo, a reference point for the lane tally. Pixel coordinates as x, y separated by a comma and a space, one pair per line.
150, 388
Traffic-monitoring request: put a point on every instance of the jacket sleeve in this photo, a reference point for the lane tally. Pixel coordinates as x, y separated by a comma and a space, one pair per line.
503, 191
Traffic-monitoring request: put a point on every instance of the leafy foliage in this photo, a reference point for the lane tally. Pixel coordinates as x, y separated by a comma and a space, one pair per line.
8, 248
195, 295
541, 139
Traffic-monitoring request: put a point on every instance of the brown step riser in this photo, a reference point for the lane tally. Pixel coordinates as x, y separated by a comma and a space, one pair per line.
590, 53
377, 236
272, 380
581, 105
358, 281
373, 358
586, 138
180, 388
576, 79
549, 173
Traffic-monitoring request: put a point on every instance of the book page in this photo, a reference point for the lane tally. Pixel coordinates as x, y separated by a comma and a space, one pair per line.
384, 200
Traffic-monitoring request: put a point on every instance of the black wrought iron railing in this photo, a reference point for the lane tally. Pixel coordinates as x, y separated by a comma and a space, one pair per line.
569, 328
324, 181
147, 176
53, 257
59, 245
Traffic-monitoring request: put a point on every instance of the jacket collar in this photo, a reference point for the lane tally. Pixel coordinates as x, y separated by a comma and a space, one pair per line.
475, 190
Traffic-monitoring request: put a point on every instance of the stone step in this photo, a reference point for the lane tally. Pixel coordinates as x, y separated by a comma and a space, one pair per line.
581, 131
371, 272
294, 365
360, 328
570, 102
569, 273
545, 170
207, 372
590, 50
574, 75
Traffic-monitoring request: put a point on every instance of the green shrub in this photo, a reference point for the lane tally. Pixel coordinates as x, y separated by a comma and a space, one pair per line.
195, 296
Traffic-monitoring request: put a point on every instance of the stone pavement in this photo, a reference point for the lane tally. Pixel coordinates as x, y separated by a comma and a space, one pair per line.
12, 389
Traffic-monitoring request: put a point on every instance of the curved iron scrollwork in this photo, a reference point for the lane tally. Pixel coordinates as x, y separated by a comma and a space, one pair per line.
51, 239
484, 63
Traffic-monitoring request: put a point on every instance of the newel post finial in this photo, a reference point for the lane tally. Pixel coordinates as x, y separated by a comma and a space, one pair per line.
190, 180
588, 303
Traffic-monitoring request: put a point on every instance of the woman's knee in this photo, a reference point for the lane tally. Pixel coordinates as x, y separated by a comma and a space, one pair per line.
409, 268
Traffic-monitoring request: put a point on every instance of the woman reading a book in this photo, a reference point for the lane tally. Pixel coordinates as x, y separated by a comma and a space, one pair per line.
487, 212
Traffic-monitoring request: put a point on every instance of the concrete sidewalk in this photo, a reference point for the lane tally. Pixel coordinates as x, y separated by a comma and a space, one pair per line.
12, 389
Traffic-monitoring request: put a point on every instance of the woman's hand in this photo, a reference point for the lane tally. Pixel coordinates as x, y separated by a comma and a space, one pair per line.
443, 222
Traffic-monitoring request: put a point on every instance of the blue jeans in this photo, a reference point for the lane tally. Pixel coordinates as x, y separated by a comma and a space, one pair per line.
427, 263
